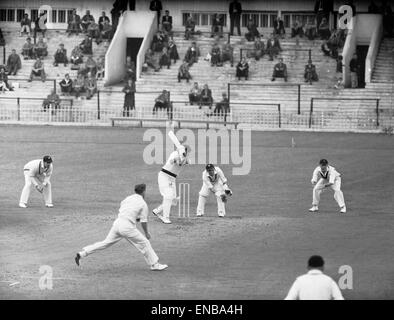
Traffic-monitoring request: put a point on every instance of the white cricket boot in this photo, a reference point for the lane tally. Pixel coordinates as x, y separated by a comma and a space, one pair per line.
49, 205
158, 267
314, 209
200, 214
343, 209
22, 205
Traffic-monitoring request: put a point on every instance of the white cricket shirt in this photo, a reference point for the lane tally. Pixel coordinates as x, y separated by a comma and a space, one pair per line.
174, 163
331, 174
36, 168
134, 207
217, 178
314, 286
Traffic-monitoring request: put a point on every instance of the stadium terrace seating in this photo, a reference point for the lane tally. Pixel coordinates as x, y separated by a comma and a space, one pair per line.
53, 39
384, 65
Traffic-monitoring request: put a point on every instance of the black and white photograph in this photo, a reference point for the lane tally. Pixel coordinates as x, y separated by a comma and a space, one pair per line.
201, 151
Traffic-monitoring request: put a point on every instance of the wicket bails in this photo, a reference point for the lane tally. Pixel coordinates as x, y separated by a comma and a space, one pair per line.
184, 200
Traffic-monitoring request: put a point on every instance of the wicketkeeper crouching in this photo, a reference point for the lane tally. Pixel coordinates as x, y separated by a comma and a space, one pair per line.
213, 181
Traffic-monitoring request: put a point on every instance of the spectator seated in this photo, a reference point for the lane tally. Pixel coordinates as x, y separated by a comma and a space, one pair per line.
52, 101
76, 58
87, 19
25, 25
324, 30
190, 27
74, 24
79, 86
4, 80
27, 50
102, 19
242, 70
222, 108
151, 61
192, 54
216, 55
173, 51
310, 29
206, 97
297, 30
38, 71
183, 72
159, 41
14, 63
66, 85
40, 49
252, 30
228, 53
89, 67
93, 31
61, 56
310, 73
217, 26
165, 60
166, 22
163, 102
86, 45
279, 28
195, 94
106, 32
280, 71
259, 49
273, 47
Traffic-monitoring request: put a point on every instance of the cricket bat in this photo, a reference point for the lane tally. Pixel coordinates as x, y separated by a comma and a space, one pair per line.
174, 139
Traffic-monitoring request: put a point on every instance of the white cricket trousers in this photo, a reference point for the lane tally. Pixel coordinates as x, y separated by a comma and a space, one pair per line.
167, 188
124, 229
204, 194
28, 187
338, 194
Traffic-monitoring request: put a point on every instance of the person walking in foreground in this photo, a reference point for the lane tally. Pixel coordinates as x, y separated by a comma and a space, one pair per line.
133, 209
314, 285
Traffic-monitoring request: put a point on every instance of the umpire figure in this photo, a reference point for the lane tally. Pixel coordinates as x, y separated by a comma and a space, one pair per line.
235, 11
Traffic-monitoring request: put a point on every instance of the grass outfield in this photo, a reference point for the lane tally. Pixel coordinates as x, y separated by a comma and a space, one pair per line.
256, 252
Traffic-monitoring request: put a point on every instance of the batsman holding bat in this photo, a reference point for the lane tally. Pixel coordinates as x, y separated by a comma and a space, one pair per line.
167, 179
38, 174
213, 181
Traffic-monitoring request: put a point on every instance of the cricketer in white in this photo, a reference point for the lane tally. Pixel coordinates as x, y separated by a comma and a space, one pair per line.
213, 181
314, 285
132, 210
325, 176
38, 174
167, 182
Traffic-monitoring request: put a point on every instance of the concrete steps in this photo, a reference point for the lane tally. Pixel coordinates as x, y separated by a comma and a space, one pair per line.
384, 65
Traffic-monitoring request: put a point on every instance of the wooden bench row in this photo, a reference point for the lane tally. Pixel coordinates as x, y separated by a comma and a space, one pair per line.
179, 121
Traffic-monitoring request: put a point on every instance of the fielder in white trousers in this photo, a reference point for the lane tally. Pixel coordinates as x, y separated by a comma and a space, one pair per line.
37, 174
325, 176
214, 182
132, 210
167, 183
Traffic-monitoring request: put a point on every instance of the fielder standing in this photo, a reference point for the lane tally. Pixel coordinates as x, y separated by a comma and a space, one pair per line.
38, 174
325, 176
167, 182
132, 210
213, 181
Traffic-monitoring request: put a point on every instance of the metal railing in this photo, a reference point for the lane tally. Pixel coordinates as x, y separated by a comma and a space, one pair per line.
229, 85
368, 116
31, 109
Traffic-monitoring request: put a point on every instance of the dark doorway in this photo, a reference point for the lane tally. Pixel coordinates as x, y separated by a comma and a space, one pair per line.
133, 46
362, 52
